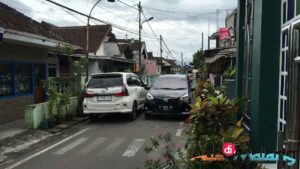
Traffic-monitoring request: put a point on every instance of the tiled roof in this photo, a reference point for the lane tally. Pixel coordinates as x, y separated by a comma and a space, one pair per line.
134, 44
12, 19
77, 35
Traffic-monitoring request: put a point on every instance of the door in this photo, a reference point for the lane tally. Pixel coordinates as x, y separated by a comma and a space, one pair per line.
142, 91
39, 77
134, 89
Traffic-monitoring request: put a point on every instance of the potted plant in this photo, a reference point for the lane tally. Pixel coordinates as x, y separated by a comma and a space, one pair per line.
229, 81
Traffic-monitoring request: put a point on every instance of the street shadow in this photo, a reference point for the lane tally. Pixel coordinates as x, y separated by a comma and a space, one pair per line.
167, 118
115, 118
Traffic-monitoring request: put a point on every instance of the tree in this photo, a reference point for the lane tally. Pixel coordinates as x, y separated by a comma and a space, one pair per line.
199, 63
198, 59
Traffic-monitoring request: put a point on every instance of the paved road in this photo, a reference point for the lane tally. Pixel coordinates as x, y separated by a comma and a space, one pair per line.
112, 142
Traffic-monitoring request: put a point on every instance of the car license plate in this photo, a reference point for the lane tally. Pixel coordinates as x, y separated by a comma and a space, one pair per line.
103, 98
167, 107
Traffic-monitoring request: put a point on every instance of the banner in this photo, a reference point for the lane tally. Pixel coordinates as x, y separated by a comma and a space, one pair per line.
224, 34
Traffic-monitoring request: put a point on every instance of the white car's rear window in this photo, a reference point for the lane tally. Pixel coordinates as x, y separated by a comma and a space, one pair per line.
105, 81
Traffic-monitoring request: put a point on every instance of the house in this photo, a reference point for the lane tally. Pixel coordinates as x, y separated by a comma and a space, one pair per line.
223, 56
152, 65
169, 66
134, 46
105, 55
268, 73
29, 54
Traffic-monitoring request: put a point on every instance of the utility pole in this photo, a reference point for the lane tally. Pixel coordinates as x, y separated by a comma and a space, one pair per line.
181, 62
160, 48
140, 39
217, 19
208, 43
202, 43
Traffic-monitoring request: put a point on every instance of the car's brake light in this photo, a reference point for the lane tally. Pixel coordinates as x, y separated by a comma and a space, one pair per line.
123, 92
88, 95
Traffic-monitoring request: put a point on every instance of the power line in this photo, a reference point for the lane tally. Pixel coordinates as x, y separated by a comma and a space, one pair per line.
91, 17
131, 6
199, 15
150, 26
173, 25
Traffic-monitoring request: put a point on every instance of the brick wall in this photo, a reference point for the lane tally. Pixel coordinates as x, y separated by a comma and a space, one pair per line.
13, 109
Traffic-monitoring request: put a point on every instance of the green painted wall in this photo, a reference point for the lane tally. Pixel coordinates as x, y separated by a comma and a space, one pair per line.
36, 113
297, 7
265, 71
240, 47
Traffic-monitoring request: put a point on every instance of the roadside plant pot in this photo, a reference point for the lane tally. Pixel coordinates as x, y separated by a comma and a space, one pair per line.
44, 124
59, 120
52, 122
69, 117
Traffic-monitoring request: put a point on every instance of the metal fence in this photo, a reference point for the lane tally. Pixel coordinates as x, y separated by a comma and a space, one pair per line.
149, 80
68, 85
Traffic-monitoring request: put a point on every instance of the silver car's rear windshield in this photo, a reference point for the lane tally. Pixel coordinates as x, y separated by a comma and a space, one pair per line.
105, 81
172, 83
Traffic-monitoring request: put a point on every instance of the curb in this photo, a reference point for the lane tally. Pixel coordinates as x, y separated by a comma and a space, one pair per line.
66, 125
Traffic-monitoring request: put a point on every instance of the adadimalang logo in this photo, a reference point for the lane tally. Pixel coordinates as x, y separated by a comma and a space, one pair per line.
229, 150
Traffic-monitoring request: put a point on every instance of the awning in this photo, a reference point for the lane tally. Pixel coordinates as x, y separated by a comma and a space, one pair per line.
116, 58
213, 55
29, 39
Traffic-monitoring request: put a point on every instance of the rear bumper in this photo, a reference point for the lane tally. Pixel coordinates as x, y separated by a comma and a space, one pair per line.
156, 107
97, 111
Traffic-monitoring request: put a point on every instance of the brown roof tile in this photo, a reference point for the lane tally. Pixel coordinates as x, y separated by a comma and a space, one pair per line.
12, 19
77, 35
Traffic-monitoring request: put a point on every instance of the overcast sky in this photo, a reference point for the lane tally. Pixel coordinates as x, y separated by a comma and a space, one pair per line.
180, 22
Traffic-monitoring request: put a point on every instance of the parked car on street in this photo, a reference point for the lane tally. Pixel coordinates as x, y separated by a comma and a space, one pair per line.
170, 94
107, 93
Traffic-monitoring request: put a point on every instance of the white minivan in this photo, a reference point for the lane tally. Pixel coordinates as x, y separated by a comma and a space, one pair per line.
107, 93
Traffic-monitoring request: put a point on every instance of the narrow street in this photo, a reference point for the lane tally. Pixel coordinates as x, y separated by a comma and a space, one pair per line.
111, 142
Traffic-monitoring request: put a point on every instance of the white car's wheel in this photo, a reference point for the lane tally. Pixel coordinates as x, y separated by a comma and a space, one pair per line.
134, 111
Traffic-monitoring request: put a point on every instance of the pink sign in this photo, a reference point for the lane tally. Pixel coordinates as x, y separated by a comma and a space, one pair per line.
224, 34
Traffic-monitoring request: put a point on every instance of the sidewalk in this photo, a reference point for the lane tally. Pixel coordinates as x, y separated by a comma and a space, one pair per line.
12, 128
16, 138
16, 127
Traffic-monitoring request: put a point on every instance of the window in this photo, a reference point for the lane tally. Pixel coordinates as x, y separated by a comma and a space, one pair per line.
282, 107
52, 70
170, 83
291, 9
6, 79
134, 81
105, 81
23, 78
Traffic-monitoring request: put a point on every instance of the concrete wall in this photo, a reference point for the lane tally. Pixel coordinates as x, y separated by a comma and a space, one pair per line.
36, 113
22, 53
13, 109
151, 67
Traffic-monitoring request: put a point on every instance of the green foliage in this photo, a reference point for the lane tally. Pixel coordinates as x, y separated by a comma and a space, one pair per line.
199, 63
68, 50
198, 59
213, 123
229, 73
53, 94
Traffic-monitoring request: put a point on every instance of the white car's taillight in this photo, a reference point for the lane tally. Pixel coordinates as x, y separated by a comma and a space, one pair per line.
123, 92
